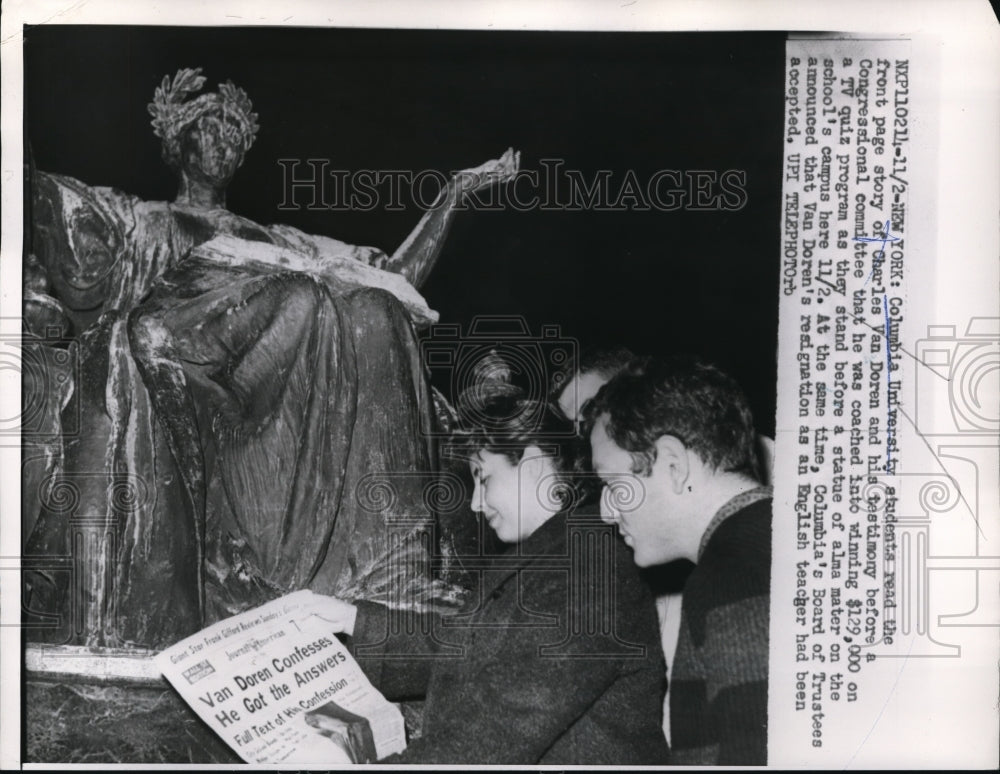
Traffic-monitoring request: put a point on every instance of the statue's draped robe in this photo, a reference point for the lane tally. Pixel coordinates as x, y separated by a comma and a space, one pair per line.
224, 424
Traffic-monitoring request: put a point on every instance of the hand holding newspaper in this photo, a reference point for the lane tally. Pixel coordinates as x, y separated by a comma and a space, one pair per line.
279, 687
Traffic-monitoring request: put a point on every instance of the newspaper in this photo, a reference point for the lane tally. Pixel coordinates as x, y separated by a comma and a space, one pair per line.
279, 687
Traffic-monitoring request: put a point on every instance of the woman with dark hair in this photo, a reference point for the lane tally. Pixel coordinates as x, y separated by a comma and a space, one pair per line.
557, 660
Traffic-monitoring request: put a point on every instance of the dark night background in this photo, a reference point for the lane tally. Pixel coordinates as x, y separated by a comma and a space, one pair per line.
657, 282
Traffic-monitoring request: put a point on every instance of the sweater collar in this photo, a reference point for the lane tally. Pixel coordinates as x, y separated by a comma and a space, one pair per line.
733, 506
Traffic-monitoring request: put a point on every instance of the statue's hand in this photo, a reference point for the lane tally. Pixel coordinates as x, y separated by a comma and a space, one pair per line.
496, 171
340, 615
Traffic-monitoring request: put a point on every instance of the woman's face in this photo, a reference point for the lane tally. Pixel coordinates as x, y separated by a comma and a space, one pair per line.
509, 495
211, 150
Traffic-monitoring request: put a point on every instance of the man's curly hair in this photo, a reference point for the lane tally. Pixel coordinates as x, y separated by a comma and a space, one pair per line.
693, 401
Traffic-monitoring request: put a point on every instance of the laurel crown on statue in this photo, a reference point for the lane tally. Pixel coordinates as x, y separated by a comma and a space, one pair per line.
173, 113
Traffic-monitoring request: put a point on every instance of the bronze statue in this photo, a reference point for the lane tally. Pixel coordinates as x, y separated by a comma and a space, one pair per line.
233, 387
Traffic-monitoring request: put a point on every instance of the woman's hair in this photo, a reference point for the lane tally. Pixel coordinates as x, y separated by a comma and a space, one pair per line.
509, 424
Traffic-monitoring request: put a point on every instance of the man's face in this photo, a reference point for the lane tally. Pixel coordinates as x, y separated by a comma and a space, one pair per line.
578, 390
641, 506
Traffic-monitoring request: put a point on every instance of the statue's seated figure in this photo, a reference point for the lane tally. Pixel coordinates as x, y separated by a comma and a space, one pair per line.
233, 389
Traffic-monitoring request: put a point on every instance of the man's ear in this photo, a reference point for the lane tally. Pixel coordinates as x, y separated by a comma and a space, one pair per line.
673, 461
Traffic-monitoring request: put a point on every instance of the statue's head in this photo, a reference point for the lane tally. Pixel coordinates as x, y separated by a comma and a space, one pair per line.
205, 137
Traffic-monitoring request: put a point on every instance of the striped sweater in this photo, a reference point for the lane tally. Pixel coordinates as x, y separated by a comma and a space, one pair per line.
718, 689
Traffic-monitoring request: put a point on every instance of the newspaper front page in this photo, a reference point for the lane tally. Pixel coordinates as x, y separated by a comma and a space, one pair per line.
279, 687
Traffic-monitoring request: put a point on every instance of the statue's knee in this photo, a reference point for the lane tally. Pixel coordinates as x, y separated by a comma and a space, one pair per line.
302, 291
375, 299
147, 333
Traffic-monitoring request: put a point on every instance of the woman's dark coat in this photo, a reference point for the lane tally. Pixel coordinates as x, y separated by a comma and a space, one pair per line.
558, 660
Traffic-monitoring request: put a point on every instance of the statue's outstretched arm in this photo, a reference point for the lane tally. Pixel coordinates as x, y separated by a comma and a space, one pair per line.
415, 258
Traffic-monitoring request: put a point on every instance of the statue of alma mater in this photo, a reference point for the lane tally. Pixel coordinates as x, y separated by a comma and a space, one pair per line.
222, 409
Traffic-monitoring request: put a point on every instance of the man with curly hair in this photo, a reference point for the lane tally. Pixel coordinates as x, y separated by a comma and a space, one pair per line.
673, 442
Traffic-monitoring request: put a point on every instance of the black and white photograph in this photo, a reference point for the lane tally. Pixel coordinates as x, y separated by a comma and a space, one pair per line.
350, 732
589, 383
